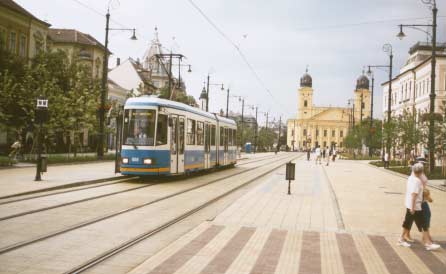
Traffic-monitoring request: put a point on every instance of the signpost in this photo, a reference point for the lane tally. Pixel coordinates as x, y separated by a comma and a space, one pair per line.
290, 174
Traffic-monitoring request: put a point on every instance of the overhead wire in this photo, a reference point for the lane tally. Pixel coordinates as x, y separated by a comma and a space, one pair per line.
240, 52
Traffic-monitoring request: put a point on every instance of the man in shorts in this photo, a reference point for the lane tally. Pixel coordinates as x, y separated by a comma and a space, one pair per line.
414, 213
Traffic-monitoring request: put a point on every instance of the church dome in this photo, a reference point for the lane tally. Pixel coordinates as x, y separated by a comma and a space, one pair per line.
306, 80
203, 94
362, 82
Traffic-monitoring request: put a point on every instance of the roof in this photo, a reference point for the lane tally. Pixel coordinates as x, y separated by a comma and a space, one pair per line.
426, 46
73, 36
11, 5
155, 101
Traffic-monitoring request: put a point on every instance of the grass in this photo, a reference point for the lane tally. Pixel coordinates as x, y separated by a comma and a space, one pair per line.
4, 161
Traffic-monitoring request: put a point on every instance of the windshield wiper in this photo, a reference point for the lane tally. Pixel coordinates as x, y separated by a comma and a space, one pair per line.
134, 143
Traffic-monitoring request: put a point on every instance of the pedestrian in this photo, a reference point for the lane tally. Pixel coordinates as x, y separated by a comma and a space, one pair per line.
318, 154
323, 154
414, 213
308, 154
15, 147
427, 198
386, 159
329, 152
334, 154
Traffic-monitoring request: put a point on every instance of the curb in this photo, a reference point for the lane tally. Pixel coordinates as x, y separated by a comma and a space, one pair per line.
69, 185
33, 165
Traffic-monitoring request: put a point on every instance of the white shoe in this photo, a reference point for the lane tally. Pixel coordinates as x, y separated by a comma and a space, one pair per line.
403, 243
432, 247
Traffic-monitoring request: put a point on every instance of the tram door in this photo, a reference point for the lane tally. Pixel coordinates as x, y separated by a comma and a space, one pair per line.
176, 144
207, 146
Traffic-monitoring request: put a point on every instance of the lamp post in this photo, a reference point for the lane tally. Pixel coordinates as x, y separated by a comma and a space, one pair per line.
371, 129
227, 103
104, 84
41, 117
207, 91
401, 35
388, 49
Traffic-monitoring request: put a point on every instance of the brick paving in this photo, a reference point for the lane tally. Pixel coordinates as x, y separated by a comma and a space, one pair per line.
267, 231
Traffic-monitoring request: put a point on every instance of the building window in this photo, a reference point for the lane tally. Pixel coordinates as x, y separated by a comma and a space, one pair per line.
333, 133
305, 103
325, 133
341, 133
12, 41
22, 45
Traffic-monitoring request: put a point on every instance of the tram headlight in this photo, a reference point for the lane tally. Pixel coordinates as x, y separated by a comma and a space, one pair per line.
125, 160
147, 161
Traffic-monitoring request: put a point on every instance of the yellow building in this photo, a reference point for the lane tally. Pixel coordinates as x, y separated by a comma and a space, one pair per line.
82, 46
20, 31
325, 126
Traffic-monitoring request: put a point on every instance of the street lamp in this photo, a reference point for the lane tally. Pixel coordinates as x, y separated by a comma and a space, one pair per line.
388, 49
41, 117
401, 35
104, 84
207, 91
371, 75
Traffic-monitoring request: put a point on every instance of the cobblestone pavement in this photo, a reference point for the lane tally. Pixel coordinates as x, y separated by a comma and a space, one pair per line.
343, 218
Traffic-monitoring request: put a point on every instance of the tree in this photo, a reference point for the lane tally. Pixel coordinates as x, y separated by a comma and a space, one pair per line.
409, 134
266, 139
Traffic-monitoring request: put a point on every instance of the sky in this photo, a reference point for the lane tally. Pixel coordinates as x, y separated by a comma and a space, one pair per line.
277, 40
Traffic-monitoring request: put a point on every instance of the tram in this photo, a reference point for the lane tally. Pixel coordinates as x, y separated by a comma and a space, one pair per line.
162, 137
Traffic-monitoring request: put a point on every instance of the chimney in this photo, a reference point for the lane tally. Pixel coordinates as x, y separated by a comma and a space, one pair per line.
118, 61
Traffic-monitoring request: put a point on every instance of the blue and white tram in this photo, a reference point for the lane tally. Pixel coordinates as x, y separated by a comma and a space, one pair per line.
162, 137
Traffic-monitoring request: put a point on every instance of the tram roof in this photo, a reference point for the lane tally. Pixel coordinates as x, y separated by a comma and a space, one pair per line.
155, 101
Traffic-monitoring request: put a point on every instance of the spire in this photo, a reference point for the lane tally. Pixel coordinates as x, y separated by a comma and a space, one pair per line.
154, 49
306, 69
156, 39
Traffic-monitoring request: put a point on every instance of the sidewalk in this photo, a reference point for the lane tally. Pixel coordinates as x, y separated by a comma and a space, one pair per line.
18, 180
344, 218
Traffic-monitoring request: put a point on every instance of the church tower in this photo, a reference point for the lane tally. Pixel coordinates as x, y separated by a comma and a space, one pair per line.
305, 102
362, 99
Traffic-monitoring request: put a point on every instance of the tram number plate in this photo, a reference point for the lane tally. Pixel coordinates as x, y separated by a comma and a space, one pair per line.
135, 159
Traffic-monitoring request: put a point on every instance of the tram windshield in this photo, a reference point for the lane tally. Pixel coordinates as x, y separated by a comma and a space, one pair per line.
139, 127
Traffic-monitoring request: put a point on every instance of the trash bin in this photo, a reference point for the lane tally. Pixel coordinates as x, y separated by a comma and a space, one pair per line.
44, 163
248, 147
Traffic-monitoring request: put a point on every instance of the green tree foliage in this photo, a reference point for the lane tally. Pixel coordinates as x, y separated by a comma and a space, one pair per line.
68, 85
363, 134
408, 133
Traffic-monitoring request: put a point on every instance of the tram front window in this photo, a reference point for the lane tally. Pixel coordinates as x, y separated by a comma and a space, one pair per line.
139, 127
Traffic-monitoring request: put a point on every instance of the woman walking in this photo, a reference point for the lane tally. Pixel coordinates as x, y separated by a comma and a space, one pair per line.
414, 213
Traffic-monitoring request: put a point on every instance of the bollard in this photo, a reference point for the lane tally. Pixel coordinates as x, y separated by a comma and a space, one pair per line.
290, 174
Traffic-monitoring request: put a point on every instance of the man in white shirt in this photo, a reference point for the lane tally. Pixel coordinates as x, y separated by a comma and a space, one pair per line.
413, 200
318, 155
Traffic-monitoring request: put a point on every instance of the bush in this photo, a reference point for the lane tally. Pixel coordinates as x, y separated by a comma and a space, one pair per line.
393, 163
436, 175
349, 156
62, 159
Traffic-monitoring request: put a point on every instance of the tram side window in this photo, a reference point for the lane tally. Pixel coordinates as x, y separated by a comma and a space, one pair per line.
226, 137
213, 135
161, 130
200, 133
191, 132
222, 136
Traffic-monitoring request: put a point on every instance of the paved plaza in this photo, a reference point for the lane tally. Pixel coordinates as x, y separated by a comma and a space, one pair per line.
344, 218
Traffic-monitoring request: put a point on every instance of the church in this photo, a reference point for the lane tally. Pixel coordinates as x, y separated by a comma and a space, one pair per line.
326, 126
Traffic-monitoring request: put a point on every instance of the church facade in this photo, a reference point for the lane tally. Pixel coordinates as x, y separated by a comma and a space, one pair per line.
325, 126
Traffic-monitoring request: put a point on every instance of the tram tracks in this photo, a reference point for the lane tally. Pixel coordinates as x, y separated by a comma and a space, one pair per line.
158, 181
120, 212
147, 234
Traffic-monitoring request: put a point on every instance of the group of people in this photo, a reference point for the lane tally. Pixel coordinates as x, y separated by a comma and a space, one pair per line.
327, 154
417, 209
